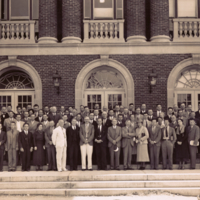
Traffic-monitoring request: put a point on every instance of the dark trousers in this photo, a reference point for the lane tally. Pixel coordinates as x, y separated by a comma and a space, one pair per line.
73, 156
154, 156
167, 151
127, 154
51, 153
114, 156
193, 151
1, 159
26, 157
101, 156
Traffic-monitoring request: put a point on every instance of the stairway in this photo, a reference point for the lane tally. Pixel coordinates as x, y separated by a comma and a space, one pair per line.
100, 183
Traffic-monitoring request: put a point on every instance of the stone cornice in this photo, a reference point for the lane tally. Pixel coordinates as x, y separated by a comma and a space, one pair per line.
100, 49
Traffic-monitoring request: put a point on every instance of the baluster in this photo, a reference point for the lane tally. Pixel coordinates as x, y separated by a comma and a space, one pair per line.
97, 30
12, 32
111, 30
92, 31
22, 31
3, 31
186, 29
17, 31
27, 31
8, 31
181, 29
190, 29
106, 30
101, 30
116, 29
195, 29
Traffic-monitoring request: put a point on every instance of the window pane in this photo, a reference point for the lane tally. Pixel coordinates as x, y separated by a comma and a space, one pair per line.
187, 8
171, 8
19, 98
29, 99
24, 98
20, 8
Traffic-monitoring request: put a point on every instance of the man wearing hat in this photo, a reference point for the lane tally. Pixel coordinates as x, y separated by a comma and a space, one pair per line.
114, 144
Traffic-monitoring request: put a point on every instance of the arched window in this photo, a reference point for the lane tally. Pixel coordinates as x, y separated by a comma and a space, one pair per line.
16, 80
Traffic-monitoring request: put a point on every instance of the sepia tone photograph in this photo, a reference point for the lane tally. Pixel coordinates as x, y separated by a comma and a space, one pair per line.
99, 99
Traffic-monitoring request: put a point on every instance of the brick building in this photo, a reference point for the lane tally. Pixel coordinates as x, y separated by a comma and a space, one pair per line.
103, 50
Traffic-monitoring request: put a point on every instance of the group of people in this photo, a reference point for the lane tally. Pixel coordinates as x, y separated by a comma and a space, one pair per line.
45, 136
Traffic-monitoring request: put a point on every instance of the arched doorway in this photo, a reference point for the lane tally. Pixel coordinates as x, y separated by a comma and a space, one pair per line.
187, 87
20, 84
16, 88
106, 82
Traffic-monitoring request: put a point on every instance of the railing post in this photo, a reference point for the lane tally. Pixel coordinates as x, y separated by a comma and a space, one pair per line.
175, 29
86, 29
32, 32
121, 30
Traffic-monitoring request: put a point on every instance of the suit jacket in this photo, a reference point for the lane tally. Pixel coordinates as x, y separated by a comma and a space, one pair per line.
101, 135
174, 125
122, 124
3, 139
24, 141
138, 117
59, 137
83, 134
38, 119
126, 116
45, 126
150, 118
156, 136
94, 123
193, 133
7, 123
196, 120
32, 126
26, 120
114, 135
143, 112
79, 124
55, 118
126, 138
108, 123
12, 140
73, 137
48, 136
3, 117
146, 125
171, 134
156, 114
197, 114
168, 117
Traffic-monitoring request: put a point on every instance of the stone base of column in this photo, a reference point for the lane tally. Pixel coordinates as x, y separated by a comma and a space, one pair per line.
47, 40
71, 40
136, 38
160, 38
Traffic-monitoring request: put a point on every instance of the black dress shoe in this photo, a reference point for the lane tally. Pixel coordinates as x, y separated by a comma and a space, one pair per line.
125, 168
83, 170
14, 170
91, 169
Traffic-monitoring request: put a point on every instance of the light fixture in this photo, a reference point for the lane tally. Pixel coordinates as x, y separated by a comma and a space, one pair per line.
152, 80
56, 81
102, 1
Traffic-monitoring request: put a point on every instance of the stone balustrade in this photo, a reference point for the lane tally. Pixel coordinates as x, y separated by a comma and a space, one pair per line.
17, 32
103, 31
186, 30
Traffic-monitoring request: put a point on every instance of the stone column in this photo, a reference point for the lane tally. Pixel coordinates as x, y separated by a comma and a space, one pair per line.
47, 21
160, 21
72, 21
136, 24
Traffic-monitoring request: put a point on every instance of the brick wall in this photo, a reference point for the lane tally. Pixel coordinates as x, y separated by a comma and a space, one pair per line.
159, 17
48, 18
72, 18
139, 66
136, 24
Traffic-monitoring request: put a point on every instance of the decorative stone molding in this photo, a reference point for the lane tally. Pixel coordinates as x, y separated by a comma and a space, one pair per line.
136, 38
47, 40
160, 38
83, 74
196, 58
7, 65
71, 40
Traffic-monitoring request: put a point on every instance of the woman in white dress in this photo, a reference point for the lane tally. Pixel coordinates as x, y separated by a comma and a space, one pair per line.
142, 144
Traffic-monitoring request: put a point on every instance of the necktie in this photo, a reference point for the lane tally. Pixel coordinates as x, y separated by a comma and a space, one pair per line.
104, 122
166, 132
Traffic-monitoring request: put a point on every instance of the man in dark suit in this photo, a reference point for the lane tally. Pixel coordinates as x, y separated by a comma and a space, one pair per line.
54, 116
169, 114
73, 144
4, 115
154, 143
86, 143
94, 123
26, 117
131, 109
197, 113
114, 144
3, 139
51, 151
39, 118
168, 139
78, 120
100, 138
128, 132
26, 147
193, 137
143, 109
150, 115
120, 121
106, 122
193, 116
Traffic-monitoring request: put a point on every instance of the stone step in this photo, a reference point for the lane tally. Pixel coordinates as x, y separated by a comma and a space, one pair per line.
190, 191
132, 175
135, 167
99, 184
